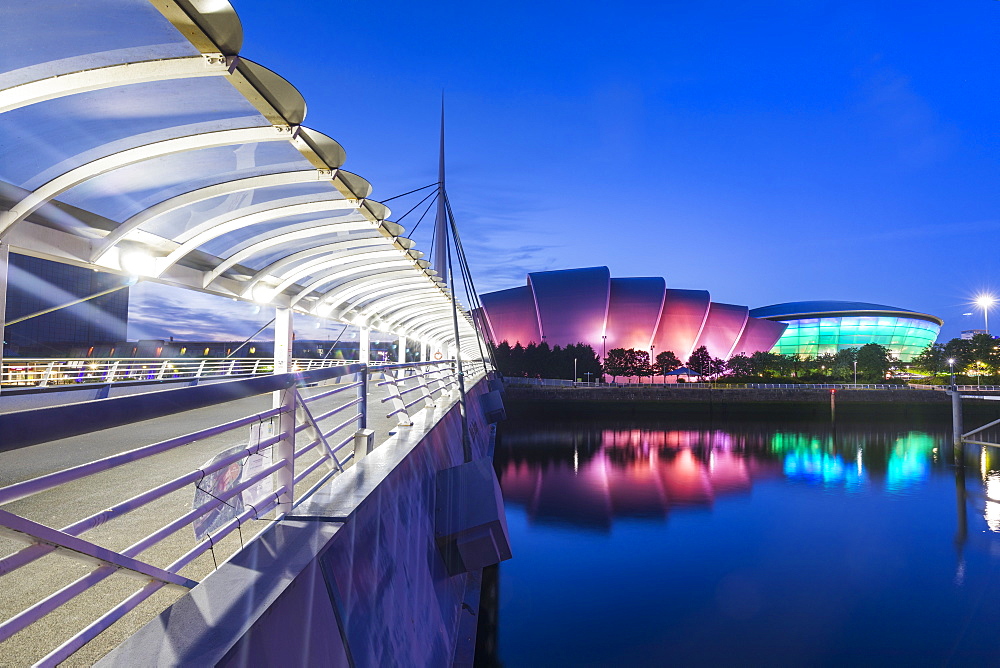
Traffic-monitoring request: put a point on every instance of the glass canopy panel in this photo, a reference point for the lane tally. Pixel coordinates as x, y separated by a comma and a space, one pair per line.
222, 245
53, 137
363, 239
181, 220
43, 38
332, 285
124, 192
271, 254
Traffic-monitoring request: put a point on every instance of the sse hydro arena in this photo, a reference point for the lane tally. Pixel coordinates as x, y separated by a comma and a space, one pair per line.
819, 327
588, 306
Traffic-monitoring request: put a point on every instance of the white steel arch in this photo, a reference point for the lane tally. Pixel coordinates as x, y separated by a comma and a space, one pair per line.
339, 295
216, 227
336, 249
193, 197
330, 278
74, 177
377, 256
98, 78
271, 238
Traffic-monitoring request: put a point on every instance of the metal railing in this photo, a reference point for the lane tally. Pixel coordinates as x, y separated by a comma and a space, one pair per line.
313, 431
38, 373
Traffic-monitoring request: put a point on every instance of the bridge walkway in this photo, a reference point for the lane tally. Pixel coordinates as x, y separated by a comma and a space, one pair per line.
66, 503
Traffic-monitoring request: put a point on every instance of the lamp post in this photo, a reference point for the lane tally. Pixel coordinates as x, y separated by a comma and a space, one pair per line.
652, 361
574, 372
986, 301
855, 372
951, 365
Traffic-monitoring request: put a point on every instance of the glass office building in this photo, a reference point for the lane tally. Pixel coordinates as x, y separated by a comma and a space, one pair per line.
35, 284
817, 328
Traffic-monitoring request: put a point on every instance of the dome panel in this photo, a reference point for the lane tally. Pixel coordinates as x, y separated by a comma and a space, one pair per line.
683, 317
572, 304
633, 312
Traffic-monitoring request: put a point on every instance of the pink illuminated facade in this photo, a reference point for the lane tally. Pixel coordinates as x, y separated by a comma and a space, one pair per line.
588, 306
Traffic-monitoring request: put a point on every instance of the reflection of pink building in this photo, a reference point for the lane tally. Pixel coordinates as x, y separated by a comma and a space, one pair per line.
588, 306
635, 473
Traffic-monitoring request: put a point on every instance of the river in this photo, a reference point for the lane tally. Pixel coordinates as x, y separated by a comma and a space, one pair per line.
652, 543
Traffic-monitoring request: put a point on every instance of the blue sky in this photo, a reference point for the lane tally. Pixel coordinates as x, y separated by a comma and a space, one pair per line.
767, 152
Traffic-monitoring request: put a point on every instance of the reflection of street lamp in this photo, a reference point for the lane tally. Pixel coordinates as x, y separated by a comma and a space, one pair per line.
986, 301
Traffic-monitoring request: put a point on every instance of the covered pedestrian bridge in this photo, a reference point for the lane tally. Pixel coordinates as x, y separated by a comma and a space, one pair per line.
136, 139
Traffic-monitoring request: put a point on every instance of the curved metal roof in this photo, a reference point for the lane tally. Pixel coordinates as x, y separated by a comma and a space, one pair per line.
832, 308
149, 145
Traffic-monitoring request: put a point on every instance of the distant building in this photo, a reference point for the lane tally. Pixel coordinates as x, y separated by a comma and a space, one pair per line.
589, 306
820, 327
969, 333
34, 284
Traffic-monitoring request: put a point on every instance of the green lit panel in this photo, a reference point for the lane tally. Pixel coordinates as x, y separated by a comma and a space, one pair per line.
905, 337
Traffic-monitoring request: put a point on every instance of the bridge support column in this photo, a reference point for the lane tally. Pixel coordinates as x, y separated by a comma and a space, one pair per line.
401, 352
364, 345
284, 449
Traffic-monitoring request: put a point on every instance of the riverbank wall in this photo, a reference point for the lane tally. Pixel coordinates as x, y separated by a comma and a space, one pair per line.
742, 403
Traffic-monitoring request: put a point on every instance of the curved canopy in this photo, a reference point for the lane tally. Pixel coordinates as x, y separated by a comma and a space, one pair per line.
149, 145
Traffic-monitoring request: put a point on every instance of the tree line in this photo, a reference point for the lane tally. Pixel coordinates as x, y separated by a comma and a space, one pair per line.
979, 355
542, 361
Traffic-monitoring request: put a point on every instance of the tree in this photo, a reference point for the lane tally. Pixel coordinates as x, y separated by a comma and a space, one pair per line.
764, 363
639, 363
874, 361
959, 350
740, 365
700, 361
982, 350
616, 363
843, 363
717, 367
932, 359
666, 362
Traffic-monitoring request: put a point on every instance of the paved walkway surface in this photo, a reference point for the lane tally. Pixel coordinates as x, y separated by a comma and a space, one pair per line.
71, 502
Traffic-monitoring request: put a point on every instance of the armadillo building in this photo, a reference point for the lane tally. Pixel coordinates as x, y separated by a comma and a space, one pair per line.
819, 327
588, 306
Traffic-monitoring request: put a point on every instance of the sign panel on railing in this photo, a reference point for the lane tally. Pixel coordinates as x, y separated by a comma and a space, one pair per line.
216, 485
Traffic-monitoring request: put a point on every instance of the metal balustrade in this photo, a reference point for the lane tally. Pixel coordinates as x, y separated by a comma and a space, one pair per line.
27, 373
281, 455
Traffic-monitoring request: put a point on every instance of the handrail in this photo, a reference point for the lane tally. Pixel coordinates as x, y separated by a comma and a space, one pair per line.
297, 465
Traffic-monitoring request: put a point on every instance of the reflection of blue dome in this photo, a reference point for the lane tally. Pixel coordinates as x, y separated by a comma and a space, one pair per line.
821, 327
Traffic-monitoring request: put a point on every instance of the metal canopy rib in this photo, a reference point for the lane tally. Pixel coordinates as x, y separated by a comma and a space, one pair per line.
330, 236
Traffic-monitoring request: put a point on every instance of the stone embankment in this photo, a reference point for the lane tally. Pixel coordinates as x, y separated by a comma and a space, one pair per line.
743, 403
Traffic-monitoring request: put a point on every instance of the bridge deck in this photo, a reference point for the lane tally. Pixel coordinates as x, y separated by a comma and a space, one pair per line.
63, 505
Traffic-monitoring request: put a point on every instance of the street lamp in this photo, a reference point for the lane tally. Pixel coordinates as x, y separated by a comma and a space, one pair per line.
855, 372
951, 365
986, 301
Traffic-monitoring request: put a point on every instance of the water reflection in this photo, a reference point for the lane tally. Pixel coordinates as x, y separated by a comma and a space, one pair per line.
817, 535
586, 476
